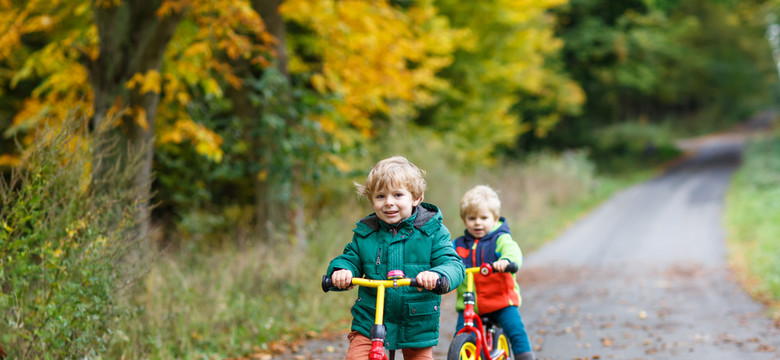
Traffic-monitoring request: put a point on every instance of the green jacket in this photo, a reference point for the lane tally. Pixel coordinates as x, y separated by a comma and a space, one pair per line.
418, 243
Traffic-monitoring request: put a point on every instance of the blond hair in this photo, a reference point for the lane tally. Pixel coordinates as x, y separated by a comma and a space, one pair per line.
394, 172
480, 195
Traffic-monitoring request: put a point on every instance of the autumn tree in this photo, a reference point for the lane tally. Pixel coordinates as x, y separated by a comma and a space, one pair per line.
376, 58
506, 61
111, 61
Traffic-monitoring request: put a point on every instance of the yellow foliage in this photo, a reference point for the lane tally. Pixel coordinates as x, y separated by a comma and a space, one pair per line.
340, 164
262, 175
139, 116
145, 83
366, 48
193, 59
10, 160
206, 142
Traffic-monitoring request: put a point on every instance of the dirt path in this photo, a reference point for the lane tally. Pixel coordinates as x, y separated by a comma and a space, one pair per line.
644, 276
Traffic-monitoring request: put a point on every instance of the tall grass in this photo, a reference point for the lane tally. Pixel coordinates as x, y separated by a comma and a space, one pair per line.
752, 213
66, 249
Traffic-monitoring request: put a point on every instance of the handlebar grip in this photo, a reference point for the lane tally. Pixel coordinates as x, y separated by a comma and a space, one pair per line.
512, 267
327, 283
442, 285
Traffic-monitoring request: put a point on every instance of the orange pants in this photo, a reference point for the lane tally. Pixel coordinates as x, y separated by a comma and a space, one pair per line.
360, 346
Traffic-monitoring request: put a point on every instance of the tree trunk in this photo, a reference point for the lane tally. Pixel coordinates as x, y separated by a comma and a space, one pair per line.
132, 40
274, 23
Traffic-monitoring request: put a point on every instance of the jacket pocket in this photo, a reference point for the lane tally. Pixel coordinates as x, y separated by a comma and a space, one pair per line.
363, 313
423, 322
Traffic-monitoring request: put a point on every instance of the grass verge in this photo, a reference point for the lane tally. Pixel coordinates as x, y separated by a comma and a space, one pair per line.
752, 210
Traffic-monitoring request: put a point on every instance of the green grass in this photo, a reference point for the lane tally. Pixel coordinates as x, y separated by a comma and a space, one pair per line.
229, 302
752, 213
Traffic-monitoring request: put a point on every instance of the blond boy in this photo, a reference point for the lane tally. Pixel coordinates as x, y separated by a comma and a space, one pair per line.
487, 239
403, 233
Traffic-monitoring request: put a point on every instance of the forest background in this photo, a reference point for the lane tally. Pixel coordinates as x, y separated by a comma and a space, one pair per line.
177, 173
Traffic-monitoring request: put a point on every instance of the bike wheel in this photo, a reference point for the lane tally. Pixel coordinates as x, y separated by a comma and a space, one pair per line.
463, 347
501, 342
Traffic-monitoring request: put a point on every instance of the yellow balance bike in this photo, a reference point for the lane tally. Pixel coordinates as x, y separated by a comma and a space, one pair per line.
479, 338
395, 278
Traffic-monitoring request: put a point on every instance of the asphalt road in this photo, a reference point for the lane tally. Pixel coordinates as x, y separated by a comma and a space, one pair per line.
644, 276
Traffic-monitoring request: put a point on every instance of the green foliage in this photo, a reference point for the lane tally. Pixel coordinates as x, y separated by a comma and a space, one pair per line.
64, 250
753, 207
506, 78
208, 198
631, 146
706, 64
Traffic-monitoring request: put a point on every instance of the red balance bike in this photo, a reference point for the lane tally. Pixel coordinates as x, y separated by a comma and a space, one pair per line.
395, 278
479, 338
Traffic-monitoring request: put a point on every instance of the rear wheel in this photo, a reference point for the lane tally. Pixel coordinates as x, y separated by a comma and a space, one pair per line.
501, 342
463, 347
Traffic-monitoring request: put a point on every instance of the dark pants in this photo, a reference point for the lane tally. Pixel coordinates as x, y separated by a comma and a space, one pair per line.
509, 319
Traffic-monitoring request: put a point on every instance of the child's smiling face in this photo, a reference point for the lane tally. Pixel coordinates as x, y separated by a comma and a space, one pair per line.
393, 205
479, 222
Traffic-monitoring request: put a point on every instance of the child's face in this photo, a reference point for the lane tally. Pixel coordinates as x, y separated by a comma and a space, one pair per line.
479, 222
394, 205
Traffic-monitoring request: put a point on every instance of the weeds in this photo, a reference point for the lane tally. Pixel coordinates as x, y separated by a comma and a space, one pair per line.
752, 210
63, 257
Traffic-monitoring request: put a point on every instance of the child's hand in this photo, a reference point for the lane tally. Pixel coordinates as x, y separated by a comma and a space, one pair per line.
501, 265
342, 279
427, 279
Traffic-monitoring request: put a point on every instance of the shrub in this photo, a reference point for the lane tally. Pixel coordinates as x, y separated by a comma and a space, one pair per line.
64, 248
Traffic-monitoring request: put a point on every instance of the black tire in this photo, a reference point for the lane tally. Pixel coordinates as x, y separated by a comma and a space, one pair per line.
463, 347
500, 341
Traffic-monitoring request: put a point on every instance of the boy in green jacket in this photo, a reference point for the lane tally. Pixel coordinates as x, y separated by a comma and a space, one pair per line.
405, 234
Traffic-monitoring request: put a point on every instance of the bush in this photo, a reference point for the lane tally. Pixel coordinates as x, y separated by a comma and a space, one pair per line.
753, 207
64, 248
631, 145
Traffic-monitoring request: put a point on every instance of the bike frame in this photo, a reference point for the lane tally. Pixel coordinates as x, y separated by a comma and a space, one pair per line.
472, 323
378, 334
396, 279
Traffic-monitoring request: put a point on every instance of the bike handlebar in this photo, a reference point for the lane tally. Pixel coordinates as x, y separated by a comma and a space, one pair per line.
487, 269
442, 284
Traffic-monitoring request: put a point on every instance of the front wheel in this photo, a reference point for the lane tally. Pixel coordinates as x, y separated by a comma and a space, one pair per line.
463, 347
500, 342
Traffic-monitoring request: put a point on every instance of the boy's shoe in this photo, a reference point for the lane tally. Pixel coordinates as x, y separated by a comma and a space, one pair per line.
528, 355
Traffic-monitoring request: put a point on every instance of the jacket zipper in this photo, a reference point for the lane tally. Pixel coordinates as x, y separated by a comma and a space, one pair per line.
379, 256
474, 253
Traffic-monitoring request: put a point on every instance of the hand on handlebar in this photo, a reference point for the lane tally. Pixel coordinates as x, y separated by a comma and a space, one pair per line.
342, 279
500, 265
427, 279
504, 265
